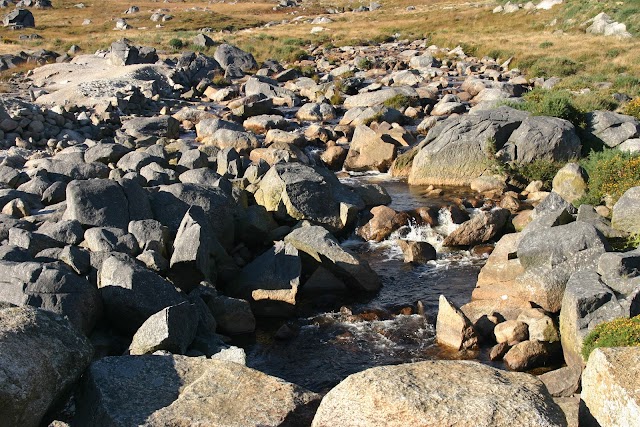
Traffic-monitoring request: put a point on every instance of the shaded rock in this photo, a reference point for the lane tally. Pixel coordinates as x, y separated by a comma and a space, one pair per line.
430, 393
453, 328
42, 356
320, 245
612, 129
21, 18
132, 294
171, 329
233, 315
563, 382
53, 289
188, 391
97, 203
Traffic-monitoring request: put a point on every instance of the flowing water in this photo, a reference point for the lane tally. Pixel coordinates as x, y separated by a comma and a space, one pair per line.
397, 325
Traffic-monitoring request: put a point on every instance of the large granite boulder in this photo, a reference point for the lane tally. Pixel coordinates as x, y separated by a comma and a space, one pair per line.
480, 229
453, 328
171, 329
570, 182
178, 390
53, 289
612, 129
296, 191
324, 248
21, 18
610, 385
368, 151
123, 52
231, 56
542, 138
270, 281
461, 148
439, 393
97, 203
132, 293
41, 357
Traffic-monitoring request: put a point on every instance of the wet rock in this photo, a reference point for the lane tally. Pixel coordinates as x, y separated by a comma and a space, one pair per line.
457, 393
480, 229
384, 221
171, 329
132, 294
320, 245
453, 328
610, 386
417, 252
188, 391
42, 356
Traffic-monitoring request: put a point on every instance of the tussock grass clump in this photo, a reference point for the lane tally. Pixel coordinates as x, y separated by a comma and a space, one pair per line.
553, 103
611, 173
616, 333
398, 102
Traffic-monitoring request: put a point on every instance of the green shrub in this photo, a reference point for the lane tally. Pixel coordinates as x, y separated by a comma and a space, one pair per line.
616, 333
633, 108
611, 173
176, 43
538, 170
553, 103
554, 67
364, 63
398, 102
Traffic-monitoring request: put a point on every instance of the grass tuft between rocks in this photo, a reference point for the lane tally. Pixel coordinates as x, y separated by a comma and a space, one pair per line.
616, 333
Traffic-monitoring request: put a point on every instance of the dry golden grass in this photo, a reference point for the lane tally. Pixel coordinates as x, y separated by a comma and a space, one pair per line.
527, 37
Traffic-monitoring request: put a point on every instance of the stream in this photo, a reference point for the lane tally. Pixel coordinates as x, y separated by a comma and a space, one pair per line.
392, 327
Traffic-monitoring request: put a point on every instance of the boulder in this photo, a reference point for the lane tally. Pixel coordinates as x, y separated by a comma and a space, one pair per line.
368, 151
110, 239
480, 229
42, 356
383, 222
612, 129
192, 260
542, 138
570, 182
370, 99
171, 329
530, 354
132, 293
316, 112
587, 302
302, 192
123, 52
97, 203
188, 391
21, 18
626, 210
233, 315
549, 257
242, 142
322, 247
150, 235
417, 252
439, 393
231, 56
453, 328
171, 202
511, 332
270, 281
610, 385
51, 288
460, 149
147, 130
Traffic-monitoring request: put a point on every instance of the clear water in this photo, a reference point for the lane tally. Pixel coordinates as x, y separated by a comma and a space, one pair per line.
389, 328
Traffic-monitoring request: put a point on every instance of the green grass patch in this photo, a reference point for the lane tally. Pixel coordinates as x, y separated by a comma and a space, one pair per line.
554, 67
398, 102
616, 333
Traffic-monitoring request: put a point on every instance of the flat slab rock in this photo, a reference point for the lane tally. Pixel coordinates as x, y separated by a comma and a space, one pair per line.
439, 393
188, 391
